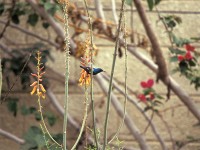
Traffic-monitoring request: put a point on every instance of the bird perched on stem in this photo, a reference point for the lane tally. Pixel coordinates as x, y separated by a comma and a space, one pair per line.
95, 70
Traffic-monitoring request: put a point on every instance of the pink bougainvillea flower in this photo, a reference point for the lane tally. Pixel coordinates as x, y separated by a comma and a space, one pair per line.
147, 84
181, 58
142, 97
189, 47
151, 96
188, 56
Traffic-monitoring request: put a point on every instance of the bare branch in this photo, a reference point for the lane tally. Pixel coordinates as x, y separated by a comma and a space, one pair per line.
9, 18
12, 136
100, 13
114, 11
30, 33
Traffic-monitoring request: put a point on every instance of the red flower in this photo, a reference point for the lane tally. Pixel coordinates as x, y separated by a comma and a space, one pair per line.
142, 98
180, 58
188, 56
189, 47
147, 84
151, 96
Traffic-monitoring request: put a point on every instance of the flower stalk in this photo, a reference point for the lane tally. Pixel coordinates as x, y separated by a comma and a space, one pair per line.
40, 91
66, 26
111, 77
91, 89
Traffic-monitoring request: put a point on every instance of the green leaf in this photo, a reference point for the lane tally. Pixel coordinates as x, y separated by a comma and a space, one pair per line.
190, 137
158, 96
48, 5
39, 139
195, 38
12, 106
58, 137
53, 9
24, 110
176, 51
37, 116
157, 2
34, 139
32, 19
179, 41
129, 2
147, 108
173, 59
192, 63
150, 4
175, 70
43, 1
15, 19
158, 102
1, 8
51, 118
171, 20
32, 110
45, 25
147, 91
183, 66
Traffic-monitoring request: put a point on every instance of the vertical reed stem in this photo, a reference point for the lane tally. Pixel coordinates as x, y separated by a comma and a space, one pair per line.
111, 76
65, 10
91, 90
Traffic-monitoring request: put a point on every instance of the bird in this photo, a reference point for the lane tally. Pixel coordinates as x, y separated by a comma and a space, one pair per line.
95, 70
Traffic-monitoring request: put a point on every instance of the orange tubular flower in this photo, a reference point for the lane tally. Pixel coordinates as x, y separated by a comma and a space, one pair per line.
85, 78
38, 88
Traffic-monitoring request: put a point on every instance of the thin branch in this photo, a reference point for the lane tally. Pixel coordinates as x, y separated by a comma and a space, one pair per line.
91, 89
168, 129
31, 34
12, 137
184, 12
112, 74
125, 79
114, 11
99, 12
19, 75
9, 18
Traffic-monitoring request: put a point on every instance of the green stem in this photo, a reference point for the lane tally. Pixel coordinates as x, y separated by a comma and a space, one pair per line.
65, 9
39, 104
125, 83
45, 127
44, 136
84, 120
91, 57
111, 77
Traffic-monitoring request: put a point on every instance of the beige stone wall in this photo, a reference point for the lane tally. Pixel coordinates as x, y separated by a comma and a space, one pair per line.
181, 121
